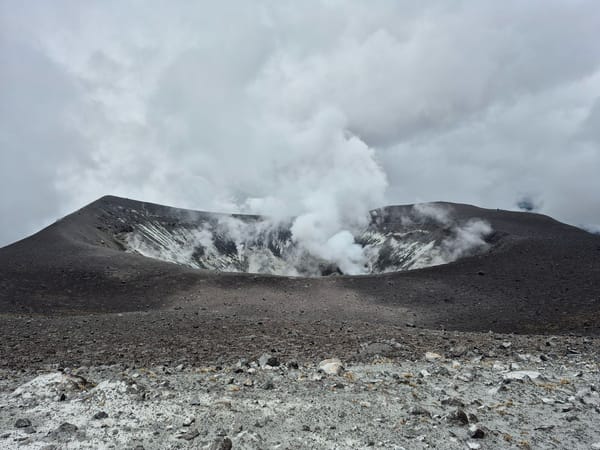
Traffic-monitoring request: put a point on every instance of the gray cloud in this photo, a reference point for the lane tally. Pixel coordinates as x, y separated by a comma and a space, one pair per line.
319, 109
38, 142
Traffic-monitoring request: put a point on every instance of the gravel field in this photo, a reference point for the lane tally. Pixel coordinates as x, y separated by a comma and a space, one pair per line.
510, 392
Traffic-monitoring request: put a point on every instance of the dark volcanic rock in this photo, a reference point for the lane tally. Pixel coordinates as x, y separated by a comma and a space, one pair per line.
459, 416
222, 444
268, 360
64, 432
67, 428
22, 423
190, 435
476, 432
419, 411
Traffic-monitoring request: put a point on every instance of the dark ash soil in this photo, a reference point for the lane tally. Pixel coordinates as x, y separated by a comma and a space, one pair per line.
70, 295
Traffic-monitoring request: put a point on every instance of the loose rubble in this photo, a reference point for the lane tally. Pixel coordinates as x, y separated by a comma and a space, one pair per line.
455, 399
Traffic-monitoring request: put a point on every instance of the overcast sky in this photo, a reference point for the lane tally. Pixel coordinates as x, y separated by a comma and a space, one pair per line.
287, 107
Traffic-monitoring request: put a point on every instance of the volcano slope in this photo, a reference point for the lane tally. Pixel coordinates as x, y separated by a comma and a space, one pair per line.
81, 280
134, 325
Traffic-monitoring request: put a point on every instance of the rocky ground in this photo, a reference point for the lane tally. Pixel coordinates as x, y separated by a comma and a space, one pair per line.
422, 389
101, 348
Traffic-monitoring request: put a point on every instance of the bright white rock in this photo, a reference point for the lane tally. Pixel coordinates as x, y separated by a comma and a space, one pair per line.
332, 366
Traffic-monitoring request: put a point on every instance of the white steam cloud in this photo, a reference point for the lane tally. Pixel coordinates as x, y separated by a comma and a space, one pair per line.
299, 109
330, 181
463, 238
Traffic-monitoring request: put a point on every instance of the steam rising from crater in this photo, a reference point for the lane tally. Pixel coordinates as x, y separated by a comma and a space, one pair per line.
325, 184
328, 181
394, 239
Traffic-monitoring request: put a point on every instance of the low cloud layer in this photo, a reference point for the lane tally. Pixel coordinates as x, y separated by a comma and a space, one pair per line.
319, 110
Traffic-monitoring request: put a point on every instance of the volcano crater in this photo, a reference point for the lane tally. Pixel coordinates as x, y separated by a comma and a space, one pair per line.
395, 239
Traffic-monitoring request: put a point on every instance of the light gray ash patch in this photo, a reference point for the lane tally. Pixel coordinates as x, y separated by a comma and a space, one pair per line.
383, 403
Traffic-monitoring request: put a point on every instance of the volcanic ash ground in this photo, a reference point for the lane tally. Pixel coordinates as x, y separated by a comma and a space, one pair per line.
507, 397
